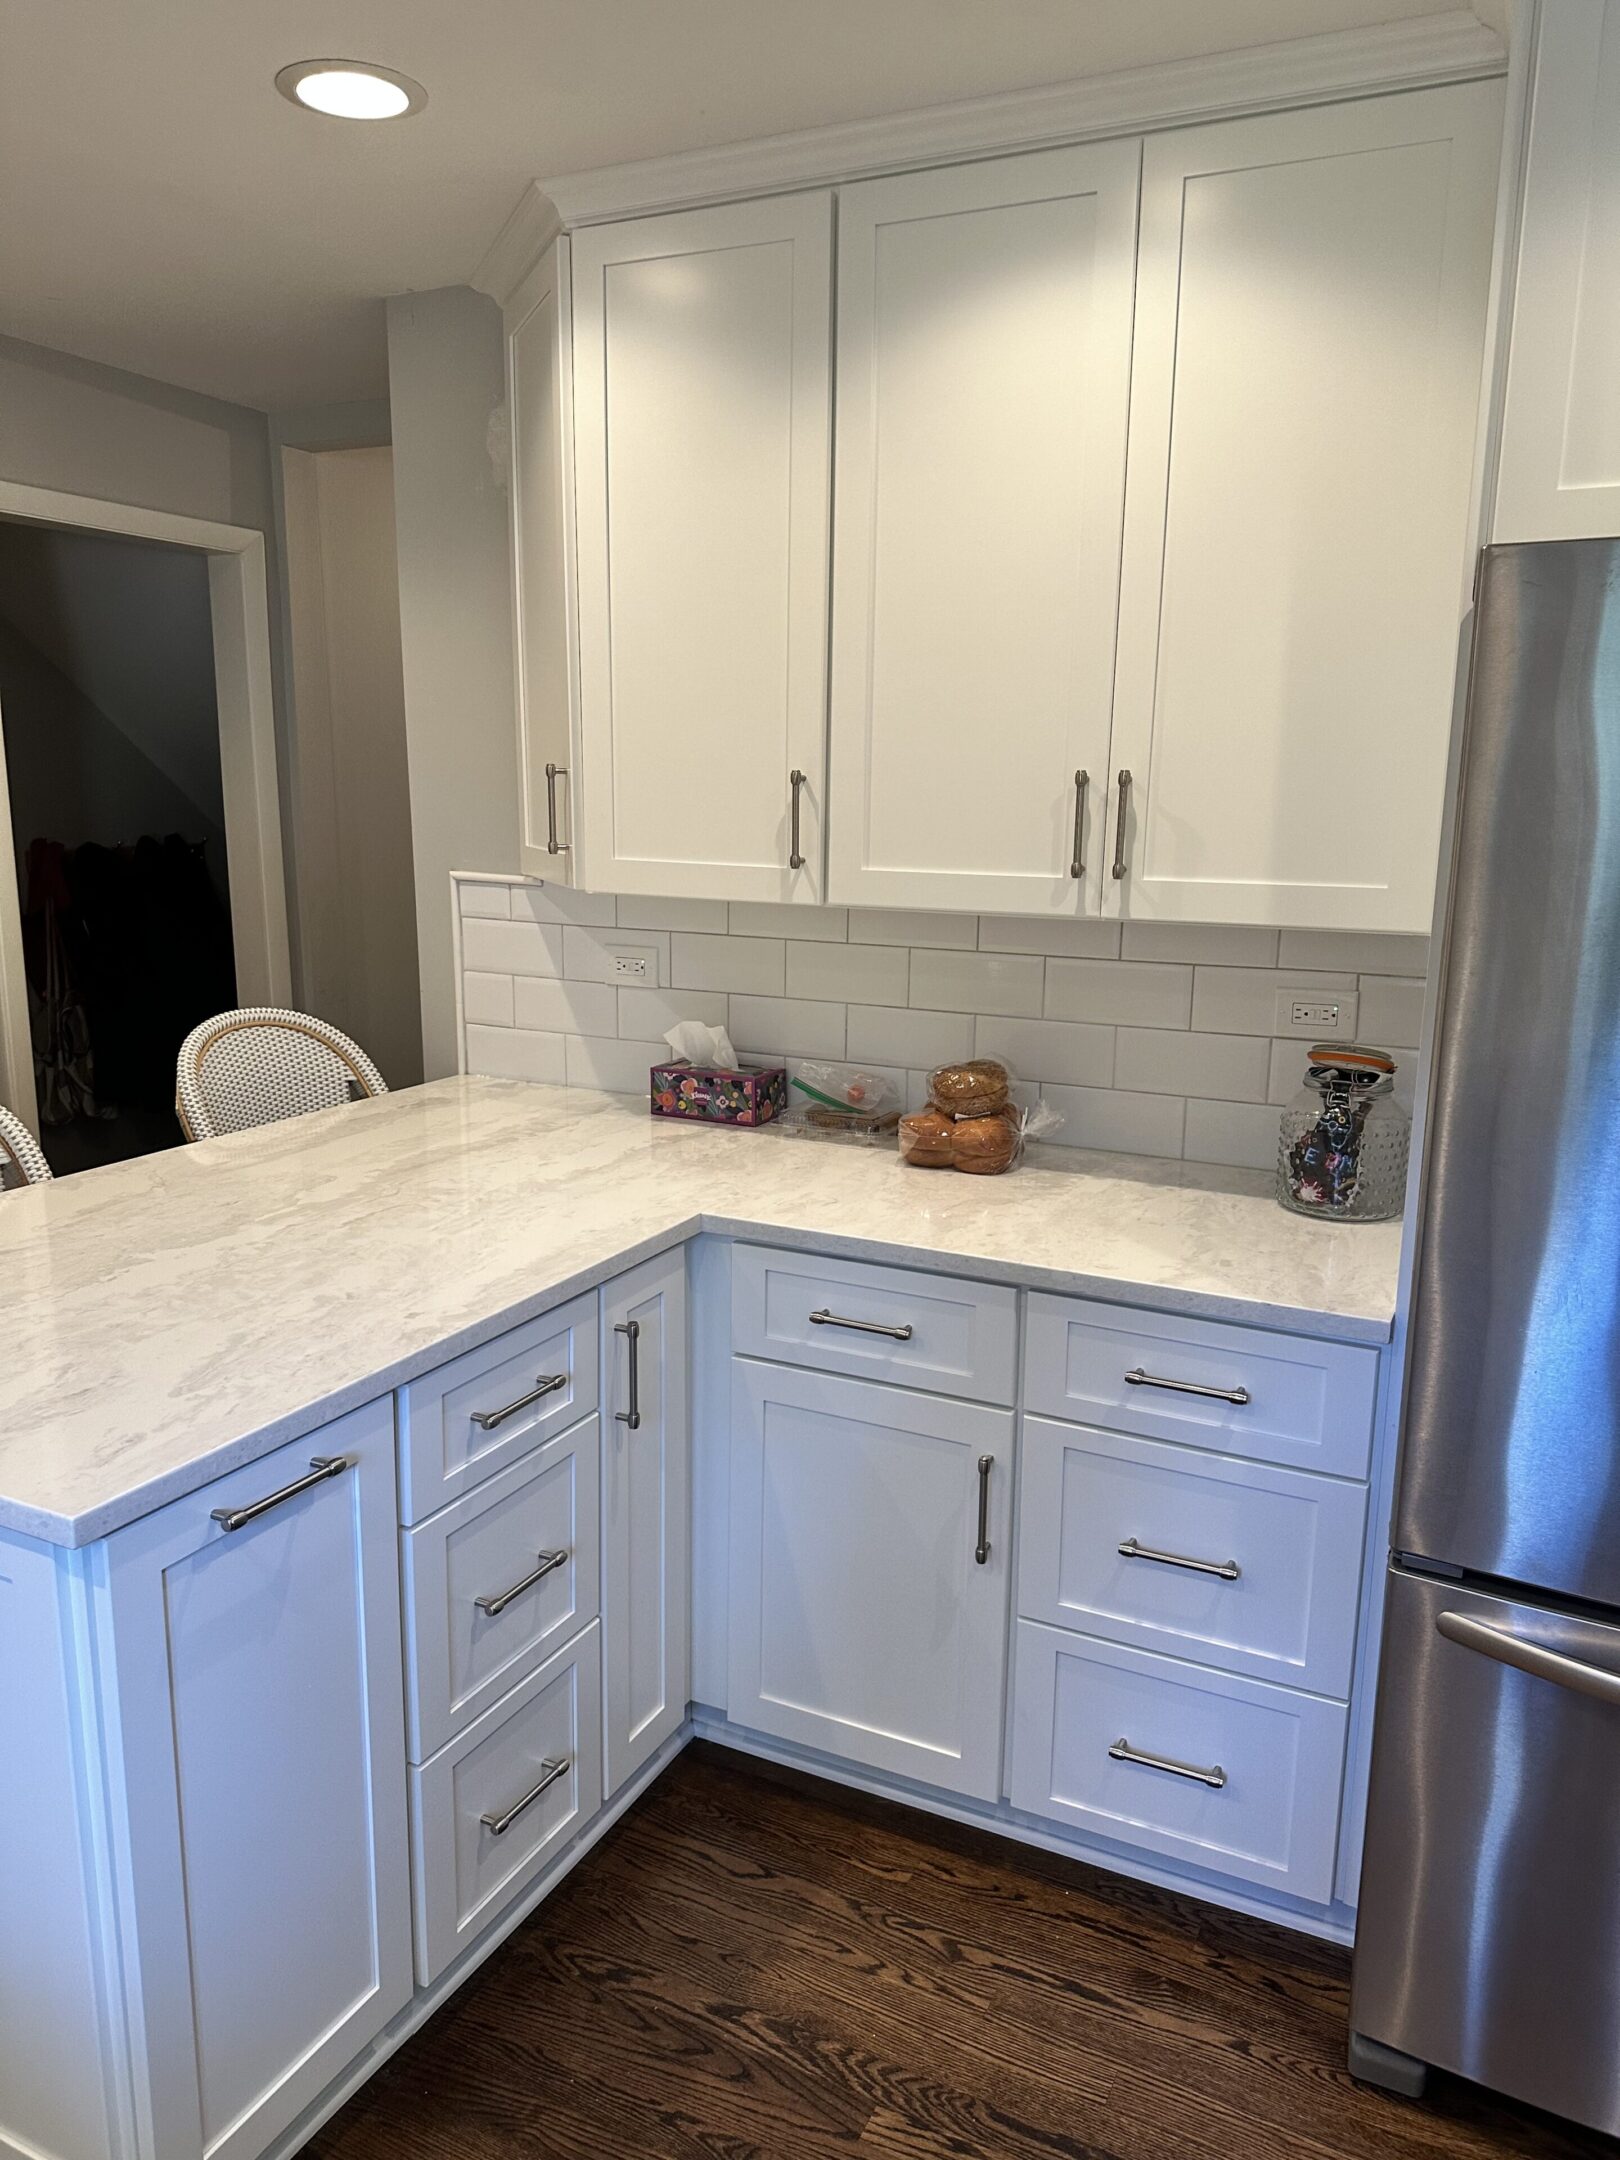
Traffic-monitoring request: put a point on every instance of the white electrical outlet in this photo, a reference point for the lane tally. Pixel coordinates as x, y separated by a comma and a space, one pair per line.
1316, 1012
635, 964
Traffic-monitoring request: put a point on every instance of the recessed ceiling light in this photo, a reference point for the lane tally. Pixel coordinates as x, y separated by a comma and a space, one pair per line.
351, 89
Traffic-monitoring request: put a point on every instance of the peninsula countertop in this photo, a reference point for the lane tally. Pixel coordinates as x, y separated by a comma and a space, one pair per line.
170, 1318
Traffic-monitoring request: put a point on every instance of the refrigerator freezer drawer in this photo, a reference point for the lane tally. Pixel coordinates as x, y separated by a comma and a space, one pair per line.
1490, 1901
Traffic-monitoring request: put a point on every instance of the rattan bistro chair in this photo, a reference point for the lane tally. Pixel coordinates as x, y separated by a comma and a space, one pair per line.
21, 1162
260, 1065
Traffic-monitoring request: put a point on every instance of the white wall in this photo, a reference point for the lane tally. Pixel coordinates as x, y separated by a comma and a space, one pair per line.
446, 389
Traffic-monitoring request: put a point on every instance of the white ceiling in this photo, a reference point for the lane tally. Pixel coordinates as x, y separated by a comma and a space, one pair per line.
166, 211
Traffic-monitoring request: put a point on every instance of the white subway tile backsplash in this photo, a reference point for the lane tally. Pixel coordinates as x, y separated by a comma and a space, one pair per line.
1173, 1061
780, 918
867, 974
978, 983
1129, 993
1048, 1049
1155, 1042
486, 999
535, 902
512, 948
912, 926
754, 964
567, 1008
1068, 936
1243, 1001
901, 1036
516, 1054
639, 913
786, 1027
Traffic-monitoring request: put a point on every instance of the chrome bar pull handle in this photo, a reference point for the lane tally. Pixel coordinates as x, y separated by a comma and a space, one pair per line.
1119, 828
1136, 1377
981, 1551
1214, 1776
1077, 864
498, 1602
321, 1467
796, 780
631, 1331
554, 1767
1530, 1657
824, 1318
554, 773
545, 1384
1227, 1570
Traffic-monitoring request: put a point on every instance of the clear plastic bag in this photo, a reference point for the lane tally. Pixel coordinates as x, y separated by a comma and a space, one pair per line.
843, 1102
972, 1122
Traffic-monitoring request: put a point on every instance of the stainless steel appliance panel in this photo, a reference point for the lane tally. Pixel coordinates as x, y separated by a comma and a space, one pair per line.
1511, 1463
1488, 1939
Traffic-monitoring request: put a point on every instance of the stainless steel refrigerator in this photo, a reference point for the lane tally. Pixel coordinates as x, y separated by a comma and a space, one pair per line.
1489, 1933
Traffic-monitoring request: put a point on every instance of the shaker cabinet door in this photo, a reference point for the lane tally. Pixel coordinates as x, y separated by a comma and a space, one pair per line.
702, 386
1311, 297
256, 1692
984, 355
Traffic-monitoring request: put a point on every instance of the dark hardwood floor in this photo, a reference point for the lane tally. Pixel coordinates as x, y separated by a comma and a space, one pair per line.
755, 1963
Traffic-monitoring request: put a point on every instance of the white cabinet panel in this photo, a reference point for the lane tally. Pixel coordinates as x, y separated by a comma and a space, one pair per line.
1246, 1777
256, 1676
1559, 477
1228, 1563
646, 1513
539, 402
702, 383
984, 351
1311, 297
498, 1580
861, 1622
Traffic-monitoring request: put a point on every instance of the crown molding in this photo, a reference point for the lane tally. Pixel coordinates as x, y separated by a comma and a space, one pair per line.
1452, 46
518, 246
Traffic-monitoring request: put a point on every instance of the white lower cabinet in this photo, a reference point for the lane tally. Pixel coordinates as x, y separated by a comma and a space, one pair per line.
869, 1573
252, 1658
1202, 1767
646, 1513
496, 1805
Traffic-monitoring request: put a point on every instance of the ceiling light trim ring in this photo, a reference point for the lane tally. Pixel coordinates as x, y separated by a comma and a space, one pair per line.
290, 79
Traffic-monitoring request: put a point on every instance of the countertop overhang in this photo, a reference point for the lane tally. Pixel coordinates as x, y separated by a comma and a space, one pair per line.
169, 1319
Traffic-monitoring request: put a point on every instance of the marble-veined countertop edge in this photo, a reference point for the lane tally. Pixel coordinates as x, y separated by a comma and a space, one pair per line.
260, 1285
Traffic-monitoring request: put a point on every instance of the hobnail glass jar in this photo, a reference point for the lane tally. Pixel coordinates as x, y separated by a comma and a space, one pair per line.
1344, 1139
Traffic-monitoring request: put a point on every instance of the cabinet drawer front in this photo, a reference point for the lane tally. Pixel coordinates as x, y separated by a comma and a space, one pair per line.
527, 1543
879, 1323
1233, 1564
1265, 1809
1309, 1404
466, 1868
444, 1452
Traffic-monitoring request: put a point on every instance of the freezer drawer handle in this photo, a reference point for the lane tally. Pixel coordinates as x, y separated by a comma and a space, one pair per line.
545, 1384
1122, 1751
1136, 1377
1530, 1657
497, 1600
551, 1770
1227, 1570
321, 1467
824, 1318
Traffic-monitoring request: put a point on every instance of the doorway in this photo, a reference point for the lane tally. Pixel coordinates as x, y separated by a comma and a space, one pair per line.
138, 782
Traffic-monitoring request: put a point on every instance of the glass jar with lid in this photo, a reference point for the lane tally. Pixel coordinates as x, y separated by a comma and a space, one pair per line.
1344, 1140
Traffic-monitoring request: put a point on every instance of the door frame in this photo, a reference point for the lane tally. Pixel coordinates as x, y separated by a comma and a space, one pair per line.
238, 596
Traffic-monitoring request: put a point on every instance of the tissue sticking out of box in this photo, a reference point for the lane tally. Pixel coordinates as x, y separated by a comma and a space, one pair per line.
700, 1045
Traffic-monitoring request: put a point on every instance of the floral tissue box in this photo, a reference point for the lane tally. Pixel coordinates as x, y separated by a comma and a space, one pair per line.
722, 1098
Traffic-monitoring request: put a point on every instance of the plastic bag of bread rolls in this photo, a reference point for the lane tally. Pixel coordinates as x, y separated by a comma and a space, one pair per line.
971, 1122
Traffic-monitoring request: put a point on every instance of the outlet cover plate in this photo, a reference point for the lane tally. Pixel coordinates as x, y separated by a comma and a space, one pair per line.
1309, 1014
635, 964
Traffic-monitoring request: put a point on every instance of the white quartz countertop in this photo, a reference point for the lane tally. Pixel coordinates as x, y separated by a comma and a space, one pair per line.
169, 1319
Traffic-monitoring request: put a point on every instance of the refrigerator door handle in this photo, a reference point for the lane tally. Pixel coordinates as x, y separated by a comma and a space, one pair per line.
1530, 1657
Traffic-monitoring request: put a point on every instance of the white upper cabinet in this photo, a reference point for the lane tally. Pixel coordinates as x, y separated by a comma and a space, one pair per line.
1311, 295
540, 405
702, 394
1559, 476
984, 356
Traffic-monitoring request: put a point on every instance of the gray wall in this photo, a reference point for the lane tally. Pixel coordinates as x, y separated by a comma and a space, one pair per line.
446, 386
